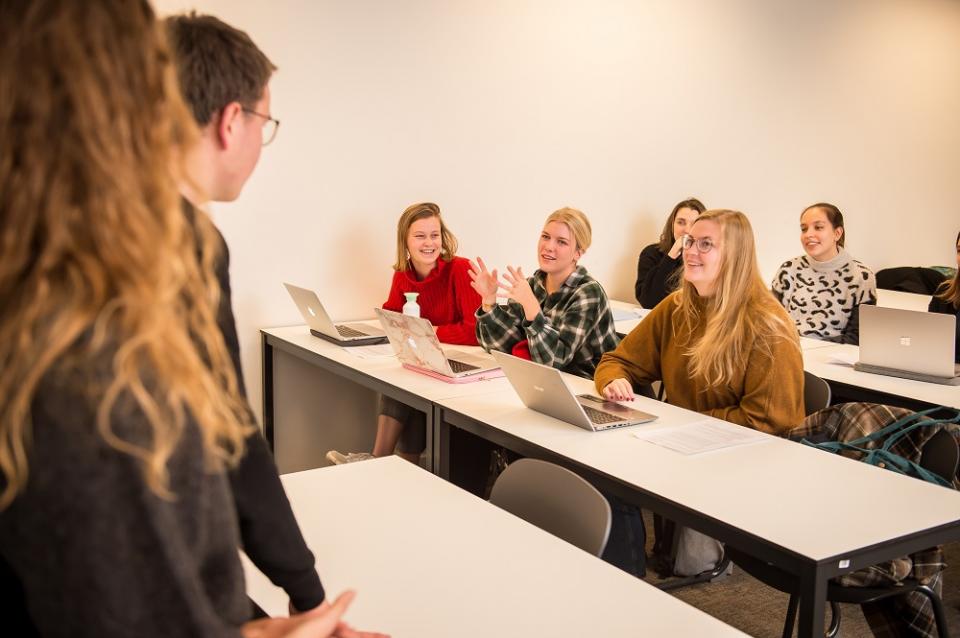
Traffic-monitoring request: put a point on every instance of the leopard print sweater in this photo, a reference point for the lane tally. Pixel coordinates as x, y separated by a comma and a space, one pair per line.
822, 296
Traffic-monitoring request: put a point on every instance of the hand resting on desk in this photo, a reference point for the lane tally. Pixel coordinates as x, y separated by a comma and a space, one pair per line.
618, 390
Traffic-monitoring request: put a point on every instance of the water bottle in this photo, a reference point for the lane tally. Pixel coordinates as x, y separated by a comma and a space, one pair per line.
411, 308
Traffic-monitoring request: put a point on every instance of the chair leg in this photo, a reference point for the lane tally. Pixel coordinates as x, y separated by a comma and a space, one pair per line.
938, 613
834, 629
791, 616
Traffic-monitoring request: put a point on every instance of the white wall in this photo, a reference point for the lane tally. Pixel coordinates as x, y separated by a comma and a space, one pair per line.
503, 110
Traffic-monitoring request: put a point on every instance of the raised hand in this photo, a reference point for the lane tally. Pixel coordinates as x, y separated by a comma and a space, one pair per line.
518, 289
484, 282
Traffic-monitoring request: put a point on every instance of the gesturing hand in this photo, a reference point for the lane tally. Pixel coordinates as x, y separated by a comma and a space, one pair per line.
484, 282
321, 622
518, 289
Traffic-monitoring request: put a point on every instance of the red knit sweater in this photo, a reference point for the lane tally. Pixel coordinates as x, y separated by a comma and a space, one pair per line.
446, 299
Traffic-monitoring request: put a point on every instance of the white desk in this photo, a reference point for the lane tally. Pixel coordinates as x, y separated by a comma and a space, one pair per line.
427, 559
623, 308
804, 509
835, 364
902, 300
318, 396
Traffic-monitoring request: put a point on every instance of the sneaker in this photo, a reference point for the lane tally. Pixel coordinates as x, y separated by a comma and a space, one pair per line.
338, 458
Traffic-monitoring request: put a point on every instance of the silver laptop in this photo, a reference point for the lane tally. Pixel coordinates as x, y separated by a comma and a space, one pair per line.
418, 348
909, 344
344, 334
543, 389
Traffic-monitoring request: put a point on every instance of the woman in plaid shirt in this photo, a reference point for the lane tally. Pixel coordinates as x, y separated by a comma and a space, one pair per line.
558, 317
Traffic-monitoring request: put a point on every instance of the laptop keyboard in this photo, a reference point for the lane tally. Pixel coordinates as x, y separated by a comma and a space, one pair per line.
460, 366
598, 417
350, 332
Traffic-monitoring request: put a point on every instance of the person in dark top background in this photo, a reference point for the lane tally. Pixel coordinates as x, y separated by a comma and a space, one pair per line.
659, 264
120, 404
947, 301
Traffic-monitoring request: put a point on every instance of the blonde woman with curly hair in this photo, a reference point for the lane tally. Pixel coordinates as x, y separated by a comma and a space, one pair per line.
721, 345
120, 409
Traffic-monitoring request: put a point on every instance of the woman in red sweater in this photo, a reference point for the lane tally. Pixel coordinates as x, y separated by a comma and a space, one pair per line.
426, 264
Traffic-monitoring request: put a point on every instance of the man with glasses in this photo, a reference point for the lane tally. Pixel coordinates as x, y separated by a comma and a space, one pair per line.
224, 78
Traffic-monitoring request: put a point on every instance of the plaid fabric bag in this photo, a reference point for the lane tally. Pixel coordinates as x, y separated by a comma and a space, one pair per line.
892, 438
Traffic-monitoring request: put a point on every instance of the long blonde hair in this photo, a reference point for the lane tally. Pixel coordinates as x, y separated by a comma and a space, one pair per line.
741, 314
949, 291
97, 260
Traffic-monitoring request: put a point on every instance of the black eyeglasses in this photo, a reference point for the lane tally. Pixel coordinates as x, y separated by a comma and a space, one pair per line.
270, 127
704, 244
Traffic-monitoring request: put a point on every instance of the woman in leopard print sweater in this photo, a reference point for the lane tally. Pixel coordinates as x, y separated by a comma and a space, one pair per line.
823, 289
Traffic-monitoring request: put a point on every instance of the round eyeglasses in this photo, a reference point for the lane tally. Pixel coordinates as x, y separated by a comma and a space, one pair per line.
704, 244
270, 125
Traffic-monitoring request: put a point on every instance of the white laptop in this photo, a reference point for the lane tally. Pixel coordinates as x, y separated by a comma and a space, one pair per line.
344, 334
418, 348
543, 389
909, 344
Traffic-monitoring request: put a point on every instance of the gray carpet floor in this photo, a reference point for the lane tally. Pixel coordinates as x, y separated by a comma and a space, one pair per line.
747, 604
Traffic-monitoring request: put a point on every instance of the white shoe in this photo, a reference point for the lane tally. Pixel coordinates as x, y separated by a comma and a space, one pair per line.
338, 458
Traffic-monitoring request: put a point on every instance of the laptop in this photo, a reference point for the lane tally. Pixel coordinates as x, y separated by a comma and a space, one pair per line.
543, 389
342, 334
909, 344
418, 348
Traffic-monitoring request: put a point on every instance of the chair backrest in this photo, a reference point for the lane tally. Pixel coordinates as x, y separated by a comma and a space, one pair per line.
816, 393
556, 500
941, 454
914, 279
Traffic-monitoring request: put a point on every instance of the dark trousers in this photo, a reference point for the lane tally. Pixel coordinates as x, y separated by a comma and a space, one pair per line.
626, 547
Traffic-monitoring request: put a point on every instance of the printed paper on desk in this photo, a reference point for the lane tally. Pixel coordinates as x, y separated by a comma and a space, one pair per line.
701, 436
623, 314
381, 351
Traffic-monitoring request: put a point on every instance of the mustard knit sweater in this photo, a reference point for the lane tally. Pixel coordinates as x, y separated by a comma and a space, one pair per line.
766, 394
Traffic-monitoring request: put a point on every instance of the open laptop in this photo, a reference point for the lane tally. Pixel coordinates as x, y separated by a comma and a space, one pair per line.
343, 334
418, 348
908, 344
543, 389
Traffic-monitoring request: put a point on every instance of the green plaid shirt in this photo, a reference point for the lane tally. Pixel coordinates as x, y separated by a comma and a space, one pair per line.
572, 331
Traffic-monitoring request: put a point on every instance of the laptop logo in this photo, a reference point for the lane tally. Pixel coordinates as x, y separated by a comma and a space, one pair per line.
413, 344
904, 341
538, 388
312, 313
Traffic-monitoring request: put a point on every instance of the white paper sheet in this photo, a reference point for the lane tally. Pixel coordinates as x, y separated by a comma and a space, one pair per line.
380, 351
701, 436
622, 314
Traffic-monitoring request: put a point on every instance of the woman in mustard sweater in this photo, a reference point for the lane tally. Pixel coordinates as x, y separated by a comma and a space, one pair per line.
721, 345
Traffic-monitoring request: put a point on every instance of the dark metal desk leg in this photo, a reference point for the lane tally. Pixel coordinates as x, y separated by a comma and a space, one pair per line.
267, 389
441, 442
813, 601
428, 453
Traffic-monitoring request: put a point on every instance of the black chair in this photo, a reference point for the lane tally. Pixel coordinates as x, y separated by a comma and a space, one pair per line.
914, 279
816, 393
940, 455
